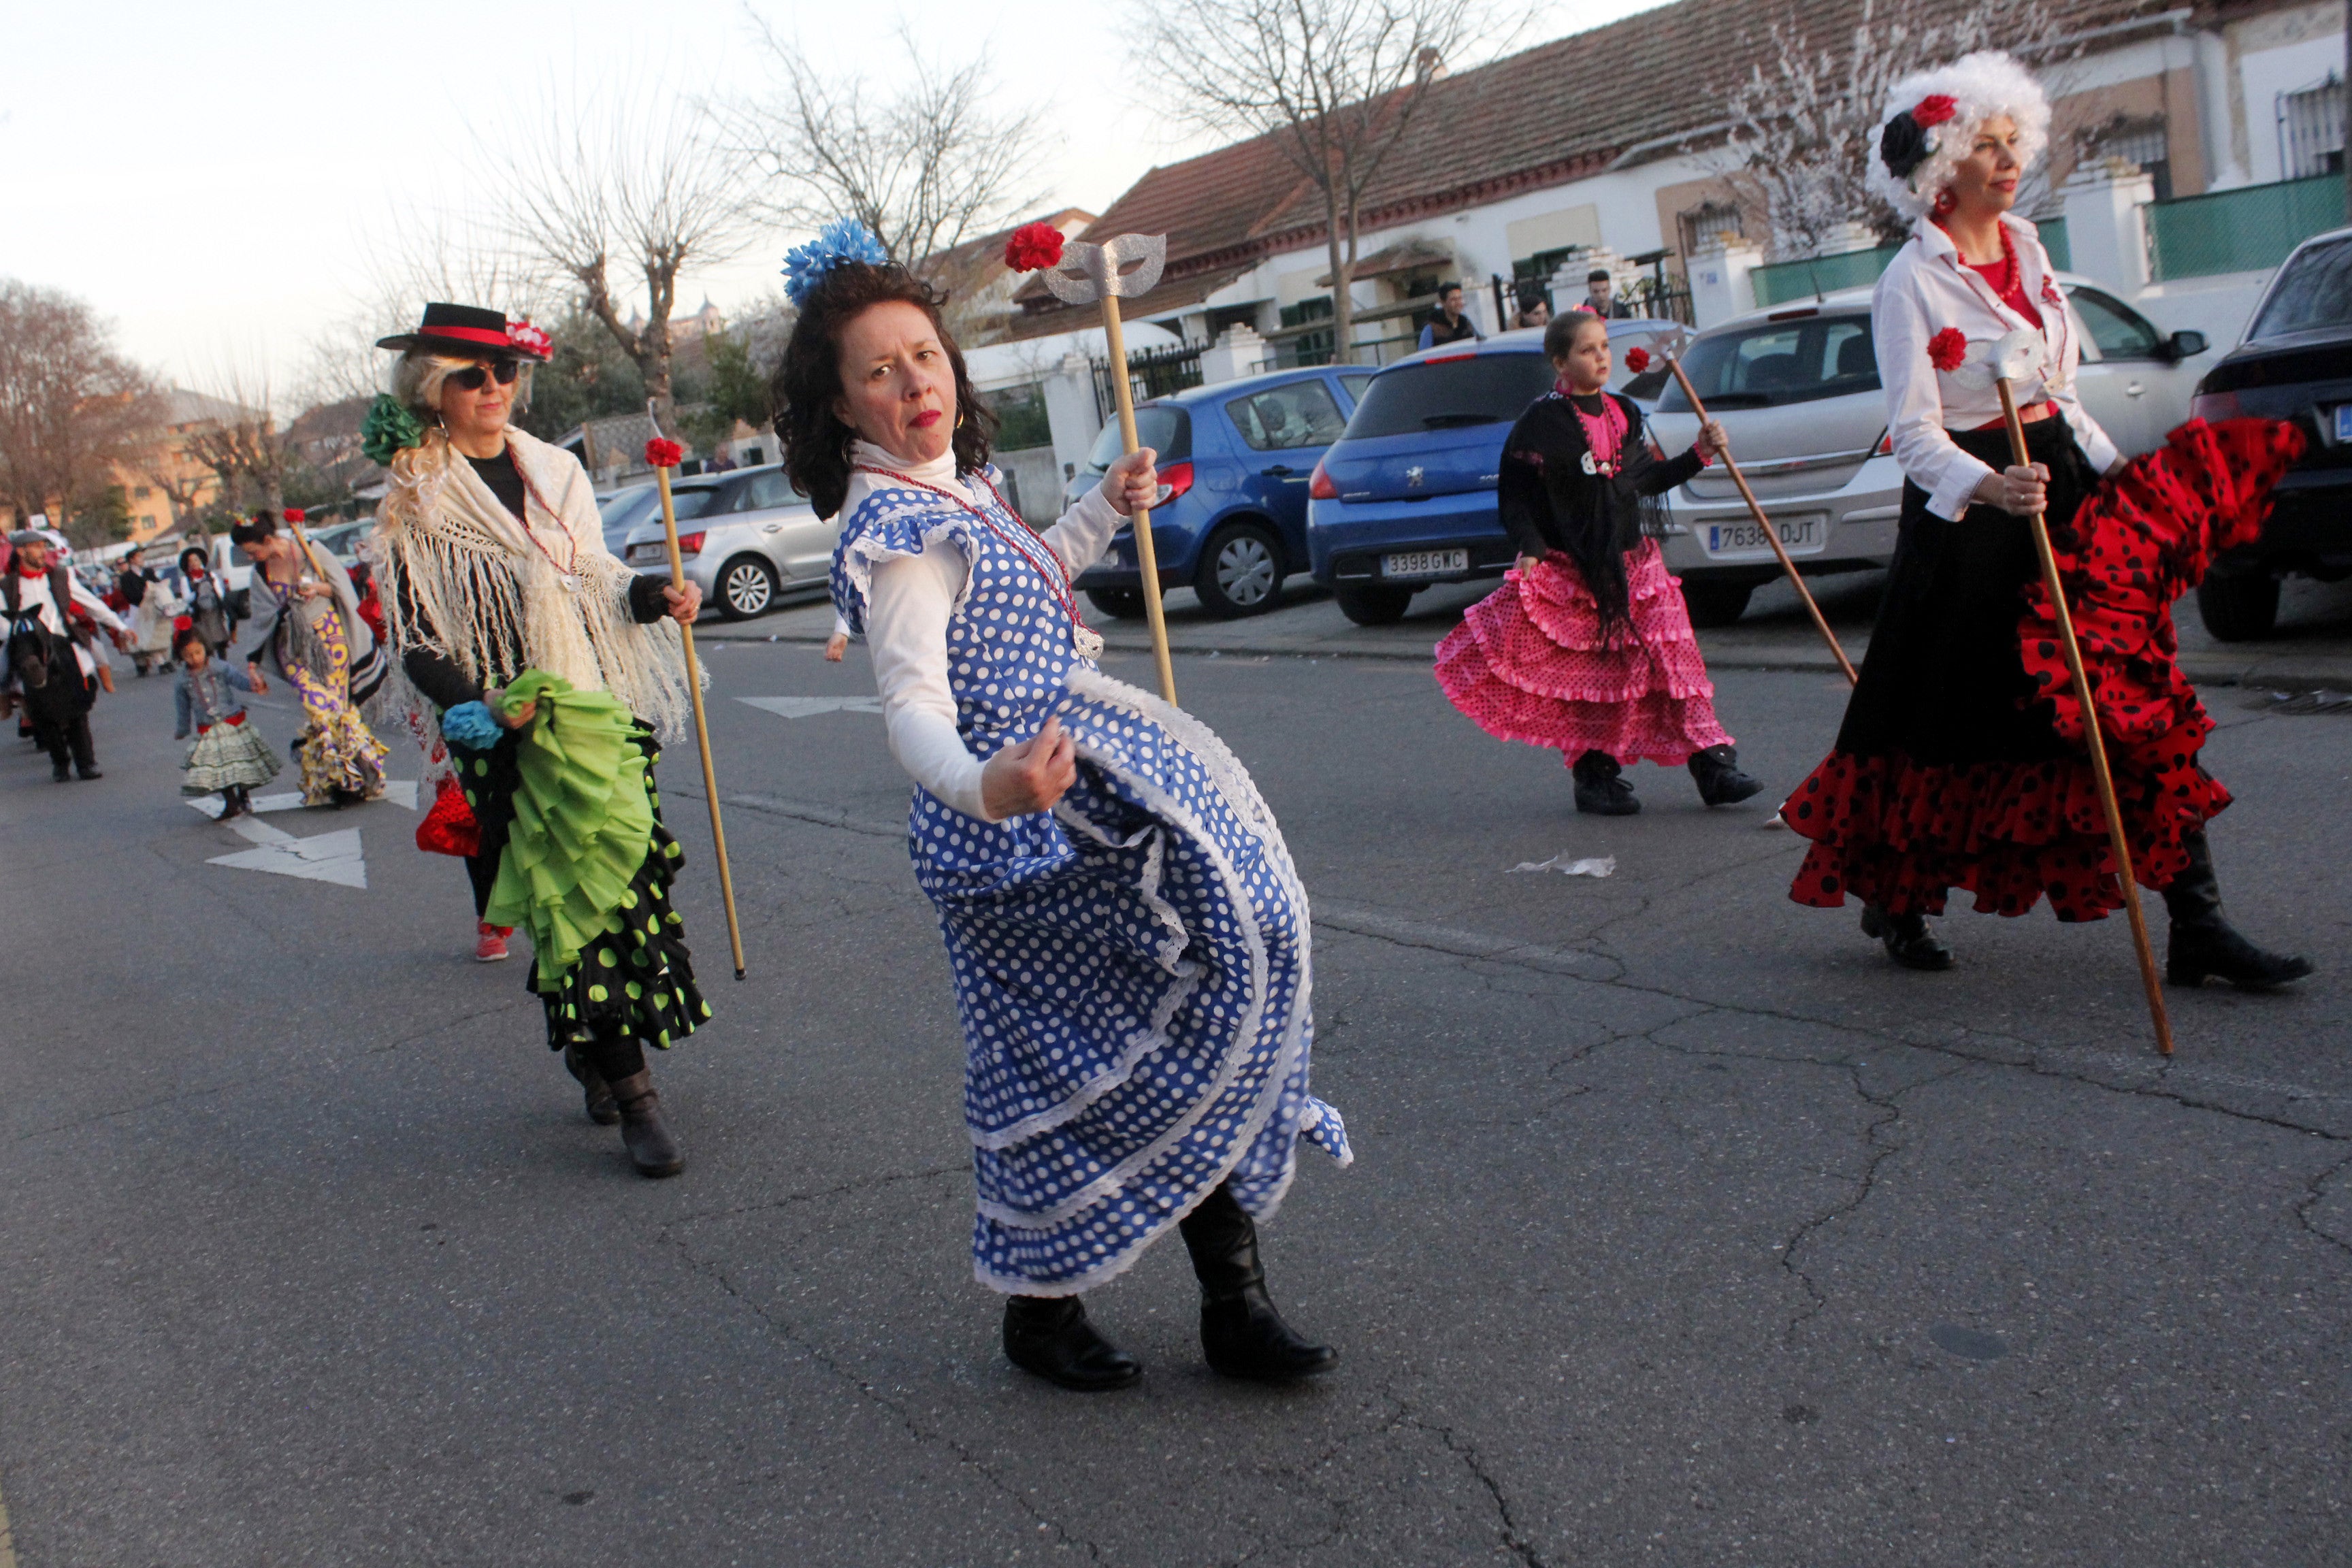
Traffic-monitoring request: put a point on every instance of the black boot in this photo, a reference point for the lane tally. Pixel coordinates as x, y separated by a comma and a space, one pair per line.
1242, 1333
1050, 1336
599, 1094
1909, 940
651, 1148
1601, 786
1720, 783
2204, 944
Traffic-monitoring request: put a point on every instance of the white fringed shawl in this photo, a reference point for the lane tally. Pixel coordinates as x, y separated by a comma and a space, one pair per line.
477, 575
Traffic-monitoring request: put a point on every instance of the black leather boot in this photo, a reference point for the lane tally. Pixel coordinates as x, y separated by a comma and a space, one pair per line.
1720, 783
599, 1094
1909, 940
2204, 946
1601, 786
1241, 1332
651, 1148
1050, 1336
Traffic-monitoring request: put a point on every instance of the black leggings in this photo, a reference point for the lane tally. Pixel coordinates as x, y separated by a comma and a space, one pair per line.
615, 1059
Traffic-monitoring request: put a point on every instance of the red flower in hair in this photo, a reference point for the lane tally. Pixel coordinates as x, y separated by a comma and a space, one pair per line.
661, 454
1637, 360
1946, 349
1934, 109
294, 514
529, 338
1032, 246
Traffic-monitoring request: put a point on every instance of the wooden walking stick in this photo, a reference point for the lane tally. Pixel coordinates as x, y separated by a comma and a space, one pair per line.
2091, 737
1772, 534
664, 456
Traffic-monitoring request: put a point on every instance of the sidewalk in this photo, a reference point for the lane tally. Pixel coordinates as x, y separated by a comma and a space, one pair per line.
2312, 649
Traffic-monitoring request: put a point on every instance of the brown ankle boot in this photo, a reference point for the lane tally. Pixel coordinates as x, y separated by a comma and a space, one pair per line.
596, 1093
651, 1148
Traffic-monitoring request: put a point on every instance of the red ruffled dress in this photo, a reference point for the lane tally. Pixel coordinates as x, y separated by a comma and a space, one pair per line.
1962, 763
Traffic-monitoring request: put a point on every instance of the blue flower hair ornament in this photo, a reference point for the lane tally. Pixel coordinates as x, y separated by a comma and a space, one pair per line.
843, 239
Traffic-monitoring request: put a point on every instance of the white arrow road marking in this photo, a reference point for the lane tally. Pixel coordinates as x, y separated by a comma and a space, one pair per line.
806, 707
329, 857
400, 791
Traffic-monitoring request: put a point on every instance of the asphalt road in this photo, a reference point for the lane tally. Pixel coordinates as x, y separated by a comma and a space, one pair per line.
1684, 1229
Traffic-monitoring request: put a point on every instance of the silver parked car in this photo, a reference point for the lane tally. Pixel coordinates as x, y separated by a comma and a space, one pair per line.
1797, 389
746, 538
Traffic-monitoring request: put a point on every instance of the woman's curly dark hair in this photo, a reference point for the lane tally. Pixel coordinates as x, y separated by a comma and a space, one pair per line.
816, 443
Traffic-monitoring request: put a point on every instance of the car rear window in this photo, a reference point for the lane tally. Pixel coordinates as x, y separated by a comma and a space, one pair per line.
2315, 291
689, 503
1769, 363
1447, 394
1166, 429
1303, 414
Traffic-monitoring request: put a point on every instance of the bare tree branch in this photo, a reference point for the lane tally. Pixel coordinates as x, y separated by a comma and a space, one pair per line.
72, 408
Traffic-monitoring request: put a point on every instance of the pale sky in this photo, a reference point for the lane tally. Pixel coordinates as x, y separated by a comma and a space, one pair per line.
209, 175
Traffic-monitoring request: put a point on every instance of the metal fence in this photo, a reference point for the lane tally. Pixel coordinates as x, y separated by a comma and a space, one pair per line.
1150, 373
2242, 230
1654, 297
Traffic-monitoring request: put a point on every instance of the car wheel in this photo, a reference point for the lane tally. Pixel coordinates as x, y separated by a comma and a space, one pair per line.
1119, 603
747, 587
2240, 608
1240, 572
1373, 607
1716, 603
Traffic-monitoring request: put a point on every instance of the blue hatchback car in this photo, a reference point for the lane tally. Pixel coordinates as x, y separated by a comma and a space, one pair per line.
1234, 460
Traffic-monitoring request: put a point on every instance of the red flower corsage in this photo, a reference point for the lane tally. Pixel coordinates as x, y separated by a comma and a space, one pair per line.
295, 514
529, 339
1637, 360
662, 454
1947, 348
1032, 246
1934, 109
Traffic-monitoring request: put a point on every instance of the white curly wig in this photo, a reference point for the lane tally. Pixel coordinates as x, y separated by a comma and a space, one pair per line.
1981, 86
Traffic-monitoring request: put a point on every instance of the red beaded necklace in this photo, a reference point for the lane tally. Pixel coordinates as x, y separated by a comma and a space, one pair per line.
1088, 641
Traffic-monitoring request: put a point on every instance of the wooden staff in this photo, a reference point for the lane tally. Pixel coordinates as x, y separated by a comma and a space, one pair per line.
1772, 534
701, 724
2091, 735
1147, 559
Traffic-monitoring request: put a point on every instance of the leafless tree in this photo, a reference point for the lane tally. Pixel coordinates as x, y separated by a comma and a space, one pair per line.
72, 408
1801, 123
1337, 82
239, 439
926, 165
637, 185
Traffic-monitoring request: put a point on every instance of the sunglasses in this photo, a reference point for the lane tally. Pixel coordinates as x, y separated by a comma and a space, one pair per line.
473, 378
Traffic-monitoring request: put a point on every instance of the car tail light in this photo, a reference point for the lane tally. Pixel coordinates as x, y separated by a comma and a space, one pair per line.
2211, 407
1174, 481
1320, 487
690, 545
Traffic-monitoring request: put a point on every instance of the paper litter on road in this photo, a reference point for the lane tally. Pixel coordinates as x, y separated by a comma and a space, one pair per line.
1599, 865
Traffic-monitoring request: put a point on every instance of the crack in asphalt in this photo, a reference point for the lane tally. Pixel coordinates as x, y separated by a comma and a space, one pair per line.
1516, 1543
2315, 1194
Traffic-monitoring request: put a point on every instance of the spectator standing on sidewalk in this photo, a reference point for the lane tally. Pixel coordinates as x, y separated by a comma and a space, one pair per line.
1450, 325
151, 608
1600, 297
1534, 310
48, 671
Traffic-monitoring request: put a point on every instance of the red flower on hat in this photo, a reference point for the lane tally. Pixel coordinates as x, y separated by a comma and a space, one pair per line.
295, 514
1934, 109
1032, 246
1637, 360
661, 454
1947, 348
529, 338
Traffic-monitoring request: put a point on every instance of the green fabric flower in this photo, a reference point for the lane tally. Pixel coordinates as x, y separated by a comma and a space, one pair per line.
389, 429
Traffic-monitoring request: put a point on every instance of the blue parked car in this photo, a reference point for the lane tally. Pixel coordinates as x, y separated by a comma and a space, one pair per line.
1233, 464
1405, 498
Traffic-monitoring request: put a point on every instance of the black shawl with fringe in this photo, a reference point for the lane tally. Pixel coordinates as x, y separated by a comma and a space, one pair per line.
1549, 502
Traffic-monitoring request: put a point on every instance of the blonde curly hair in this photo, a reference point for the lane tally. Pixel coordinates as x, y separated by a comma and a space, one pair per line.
1911, 163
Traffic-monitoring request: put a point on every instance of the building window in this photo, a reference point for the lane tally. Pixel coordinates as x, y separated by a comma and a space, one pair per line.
1708, 225
140, 493
1021, 418
147, 524
1309, 347
2140, 142
2311, 129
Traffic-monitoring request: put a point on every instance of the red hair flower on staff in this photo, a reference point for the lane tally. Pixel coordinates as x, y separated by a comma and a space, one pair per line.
1637, 360
1033, 246
1947, 348
661, 453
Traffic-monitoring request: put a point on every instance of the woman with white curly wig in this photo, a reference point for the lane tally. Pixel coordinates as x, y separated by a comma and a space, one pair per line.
1962, 762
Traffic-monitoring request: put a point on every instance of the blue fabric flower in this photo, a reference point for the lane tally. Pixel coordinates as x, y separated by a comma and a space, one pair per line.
469, 725
843, 239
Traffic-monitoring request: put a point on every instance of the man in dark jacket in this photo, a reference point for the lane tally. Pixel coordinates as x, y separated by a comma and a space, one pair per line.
47, 671
1598, 298
1450, 325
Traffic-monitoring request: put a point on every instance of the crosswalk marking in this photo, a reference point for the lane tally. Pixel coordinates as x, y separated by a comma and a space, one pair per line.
809, 706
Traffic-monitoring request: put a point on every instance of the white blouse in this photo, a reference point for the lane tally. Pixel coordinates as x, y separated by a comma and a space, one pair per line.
1928, 287
909, 602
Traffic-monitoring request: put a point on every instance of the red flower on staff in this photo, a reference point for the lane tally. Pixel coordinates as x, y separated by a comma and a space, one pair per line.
529, 339
1032, 246
661, 454
1934, 109
1946, 349
295, 514
1637, 360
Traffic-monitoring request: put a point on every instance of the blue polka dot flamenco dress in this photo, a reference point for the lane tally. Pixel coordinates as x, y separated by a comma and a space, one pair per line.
1131, 968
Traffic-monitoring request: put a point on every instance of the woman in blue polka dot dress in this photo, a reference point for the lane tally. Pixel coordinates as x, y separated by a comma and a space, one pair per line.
1128, 934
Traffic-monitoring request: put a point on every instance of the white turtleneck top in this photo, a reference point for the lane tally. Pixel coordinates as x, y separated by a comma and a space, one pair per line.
908, 605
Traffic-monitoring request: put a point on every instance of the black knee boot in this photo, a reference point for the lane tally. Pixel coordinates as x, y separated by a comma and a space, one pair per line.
1050, 1336
1720, 783
1241, 1332
1601, 786
1907, 938
2204, 944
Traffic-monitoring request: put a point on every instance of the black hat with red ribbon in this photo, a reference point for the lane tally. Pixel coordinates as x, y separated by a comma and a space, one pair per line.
470, 330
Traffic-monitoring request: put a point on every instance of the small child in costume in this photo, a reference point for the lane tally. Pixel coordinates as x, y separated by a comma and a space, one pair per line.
1587, 645
228, 757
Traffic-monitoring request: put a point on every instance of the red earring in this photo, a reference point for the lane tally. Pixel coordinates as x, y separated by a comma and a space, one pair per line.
1945, 202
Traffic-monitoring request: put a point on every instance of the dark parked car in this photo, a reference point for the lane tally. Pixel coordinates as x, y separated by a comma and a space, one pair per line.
2296, 363
1234, 464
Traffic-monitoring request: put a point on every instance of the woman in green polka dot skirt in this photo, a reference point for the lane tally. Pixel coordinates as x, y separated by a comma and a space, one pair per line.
549, 667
